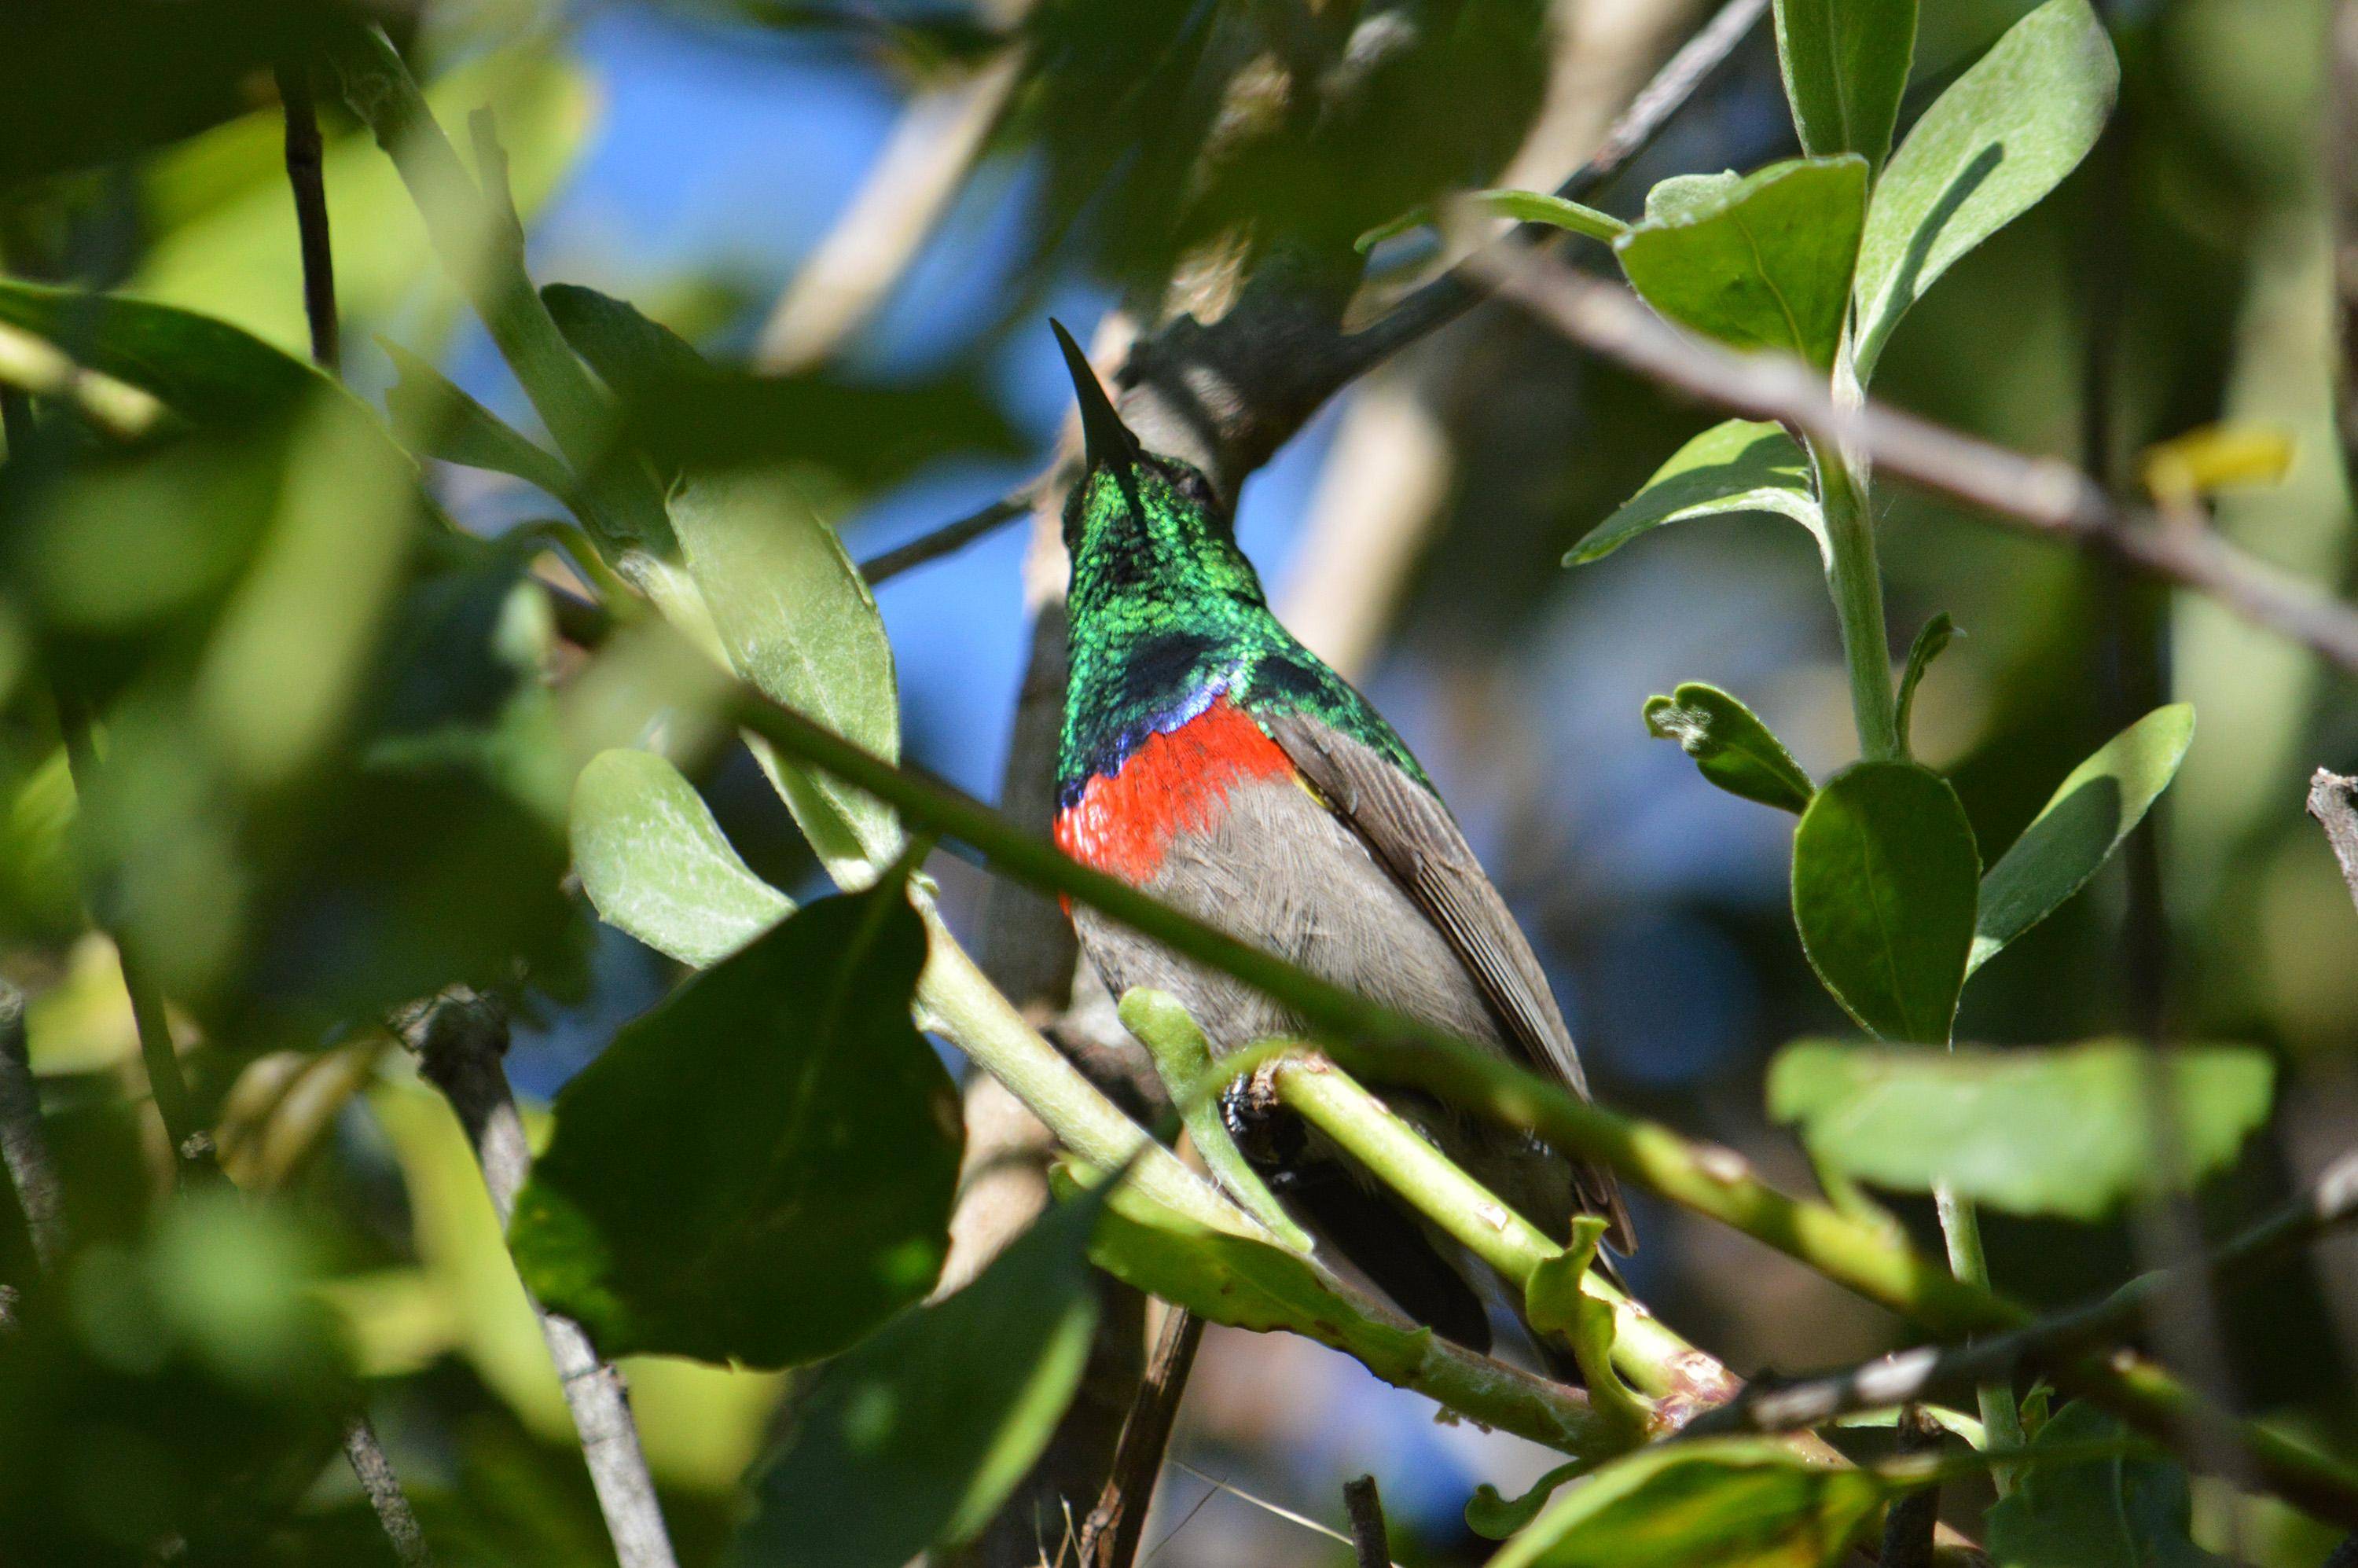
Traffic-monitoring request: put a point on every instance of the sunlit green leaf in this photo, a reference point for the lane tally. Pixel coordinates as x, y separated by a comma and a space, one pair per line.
913, 1439
797, 620
2096, 806
1735, 467
1846, 64
1764, 262
760, 1170
655, 863
2066, 1130
1730, 746
203, 369
1538, 207
2127, 1511
2003, 135
437, 419
1730, 1502
1684, 195
1885, 881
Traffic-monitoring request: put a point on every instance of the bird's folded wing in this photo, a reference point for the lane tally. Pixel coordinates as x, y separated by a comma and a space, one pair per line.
1413, 833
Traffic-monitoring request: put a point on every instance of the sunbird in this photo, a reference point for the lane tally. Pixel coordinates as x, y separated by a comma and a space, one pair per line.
1208, 758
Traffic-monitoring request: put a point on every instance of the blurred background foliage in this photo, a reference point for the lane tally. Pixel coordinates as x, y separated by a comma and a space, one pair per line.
336, 777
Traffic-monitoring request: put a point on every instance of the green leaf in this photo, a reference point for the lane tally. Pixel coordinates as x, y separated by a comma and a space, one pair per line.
1537, 207
2002, 136
760, 1170
2094, 809
1884, 883
655, 863
689, 414
1523, 206
1846, 64
631, 350
2065, 1130
1730, 746
1493, 1517
206, 370
1682, 195
797, 620
437, 419
1557, 1301
1764, 262
1730, 1502
1926, 647
2128, 1510
1735, 467
913, 1439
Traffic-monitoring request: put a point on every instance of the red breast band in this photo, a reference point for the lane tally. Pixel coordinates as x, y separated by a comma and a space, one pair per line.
1175, 782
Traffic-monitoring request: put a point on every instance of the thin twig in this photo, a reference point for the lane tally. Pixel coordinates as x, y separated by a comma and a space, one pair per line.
2334, 801
946, 539
2330, 1201
383, 1488
1369, 1538
1111, 1535
2038, 495
306, 176
23, 1142
459, 1038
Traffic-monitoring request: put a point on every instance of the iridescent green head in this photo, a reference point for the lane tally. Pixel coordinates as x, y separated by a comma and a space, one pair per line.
1139, 524
1167, 615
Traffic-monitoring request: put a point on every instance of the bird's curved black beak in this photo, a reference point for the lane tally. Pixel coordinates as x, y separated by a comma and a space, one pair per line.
1107, 440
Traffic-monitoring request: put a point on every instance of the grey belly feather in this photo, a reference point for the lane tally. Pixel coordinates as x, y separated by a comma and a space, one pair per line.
1280, 872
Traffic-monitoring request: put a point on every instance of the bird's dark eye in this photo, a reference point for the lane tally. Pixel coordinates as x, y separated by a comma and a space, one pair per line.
1193, 486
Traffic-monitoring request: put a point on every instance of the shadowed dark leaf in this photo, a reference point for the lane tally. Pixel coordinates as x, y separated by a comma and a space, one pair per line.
760, 1170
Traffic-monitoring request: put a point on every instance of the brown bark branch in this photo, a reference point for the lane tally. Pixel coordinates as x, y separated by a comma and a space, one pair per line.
2036, 495
2334, 801
1369, 1539
382, 1486
1111, 1535
460, 1039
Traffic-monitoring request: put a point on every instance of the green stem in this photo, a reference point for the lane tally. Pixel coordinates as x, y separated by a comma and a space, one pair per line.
1713, 1182
1961, 1227
988, 1028
1651, 1356
1182, 1059
1855, 578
